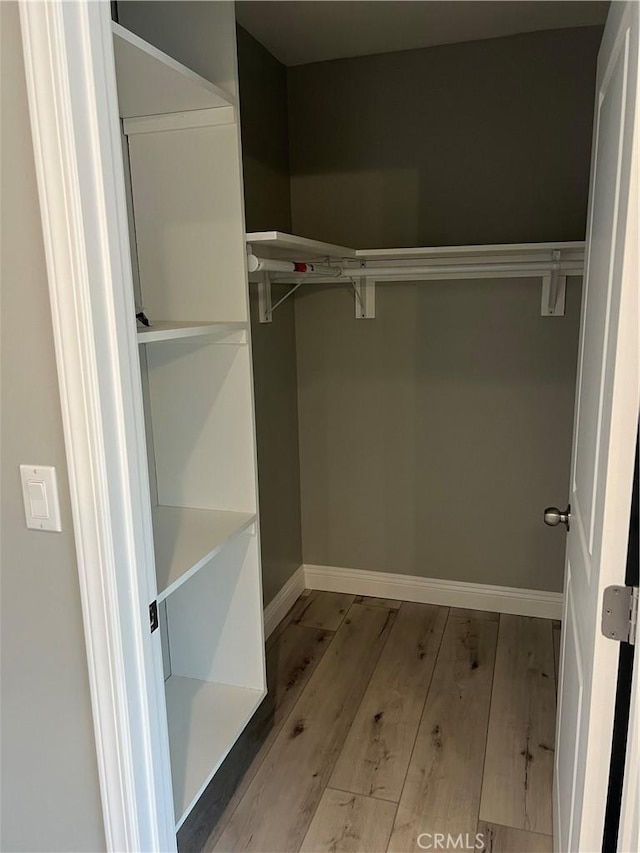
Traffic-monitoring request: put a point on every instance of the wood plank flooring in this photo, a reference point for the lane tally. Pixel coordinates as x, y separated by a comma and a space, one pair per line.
518, 772
322, 610
377, 750
505, 839
386, 721
443, 785
348, 823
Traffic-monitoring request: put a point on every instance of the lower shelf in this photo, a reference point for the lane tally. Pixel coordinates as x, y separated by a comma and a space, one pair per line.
205, 720
186, 539
168, 330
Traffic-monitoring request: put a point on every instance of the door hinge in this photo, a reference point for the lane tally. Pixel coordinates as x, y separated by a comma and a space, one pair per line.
620, 613
153, 616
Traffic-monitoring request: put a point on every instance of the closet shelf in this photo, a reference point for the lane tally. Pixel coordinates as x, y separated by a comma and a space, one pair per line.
283, 258
152, 83
205, 719
277, 244
505, 252
280, 246
185, 539
235, 333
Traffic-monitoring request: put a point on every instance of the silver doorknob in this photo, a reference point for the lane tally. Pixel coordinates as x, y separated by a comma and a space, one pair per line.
553, 516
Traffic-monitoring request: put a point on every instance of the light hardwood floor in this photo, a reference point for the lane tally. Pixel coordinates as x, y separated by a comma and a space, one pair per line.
390, 726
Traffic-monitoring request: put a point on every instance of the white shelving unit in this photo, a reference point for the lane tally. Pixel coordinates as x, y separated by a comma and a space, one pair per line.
188, 248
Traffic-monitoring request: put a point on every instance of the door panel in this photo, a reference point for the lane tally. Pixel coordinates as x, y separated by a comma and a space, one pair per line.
603, 447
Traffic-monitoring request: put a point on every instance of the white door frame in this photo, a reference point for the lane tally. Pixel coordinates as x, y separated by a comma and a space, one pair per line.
73, 104
72, 94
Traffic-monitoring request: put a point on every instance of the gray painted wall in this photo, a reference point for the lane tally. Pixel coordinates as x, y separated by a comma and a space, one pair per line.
482, 142
275, 380
432, 437
265, 137
265, 154
457, 399
50, 795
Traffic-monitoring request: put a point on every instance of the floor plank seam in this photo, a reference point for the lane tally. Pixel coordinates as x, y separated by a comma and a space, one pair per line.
518, 828
364, 692
424, 705
486, 740
391, 617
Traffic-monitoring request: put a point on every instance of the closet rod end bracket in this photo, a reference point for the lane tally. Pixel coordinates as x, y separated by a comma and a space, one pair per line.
554, 286
364, 290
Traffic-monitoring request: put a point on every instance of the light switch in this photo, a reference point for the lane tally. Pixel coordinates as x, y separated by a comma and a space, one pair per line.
38, 498
40, 494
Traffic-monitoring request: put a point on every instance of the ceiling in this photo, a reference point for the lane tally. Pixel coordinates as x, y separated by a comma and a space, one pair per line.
301, 31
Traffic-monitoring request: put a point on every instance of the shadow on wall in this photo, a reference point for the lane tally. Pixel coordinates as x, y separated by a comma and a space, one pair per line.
482, 142
265, 140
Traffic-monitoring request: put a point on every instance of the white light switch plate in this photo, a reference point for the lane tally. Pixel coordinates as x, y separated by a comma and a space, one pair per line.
40, 494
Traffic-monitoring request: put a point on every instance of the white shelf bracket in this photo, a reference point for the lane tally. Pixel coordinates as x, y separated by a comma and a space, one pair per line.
265, 306
364, 290
554, 286
264, 298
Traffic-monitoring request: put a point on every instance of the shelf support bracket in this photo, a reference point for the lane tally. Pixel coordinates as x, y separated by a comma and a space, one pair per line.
364, 290
554, 286
265, 306
264, 298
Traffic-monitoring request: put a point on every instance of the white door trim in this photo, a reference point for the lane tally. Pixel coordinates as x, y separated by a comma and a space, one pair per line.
73, 106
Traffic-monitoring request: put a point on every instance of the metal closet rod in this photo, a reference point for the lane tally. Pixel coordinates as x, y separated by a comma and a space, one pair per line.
315, 271
256, 264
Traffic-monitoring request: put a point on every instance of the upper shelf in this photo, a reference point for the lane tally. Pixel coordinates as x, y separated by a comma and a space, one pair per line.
152, 83
504, 251
277, 244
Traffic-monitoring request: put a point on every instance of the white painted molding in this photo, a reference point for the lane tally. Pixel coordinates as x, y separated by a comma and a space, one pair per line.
284, 600
475, 596
72, 95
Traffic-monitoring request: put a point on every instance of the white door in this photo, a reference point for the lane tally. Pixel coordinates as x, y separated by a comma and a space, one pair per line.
606, 418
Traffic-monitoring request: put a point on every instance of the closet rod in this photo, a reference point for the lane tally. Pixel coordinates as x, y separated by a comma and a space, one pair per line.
256, 264
414, 272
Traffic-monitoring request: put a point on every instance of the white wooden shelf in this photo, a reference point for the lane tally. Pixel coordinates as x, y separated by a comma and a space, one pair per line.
152, 83
186, 539
169, 330
362, 268
205, 719
499, 252
277, 244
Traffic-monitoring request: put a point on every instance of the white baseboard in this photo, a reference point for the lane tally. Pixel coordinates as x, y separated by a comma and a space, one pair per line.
284, 600
475, 596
